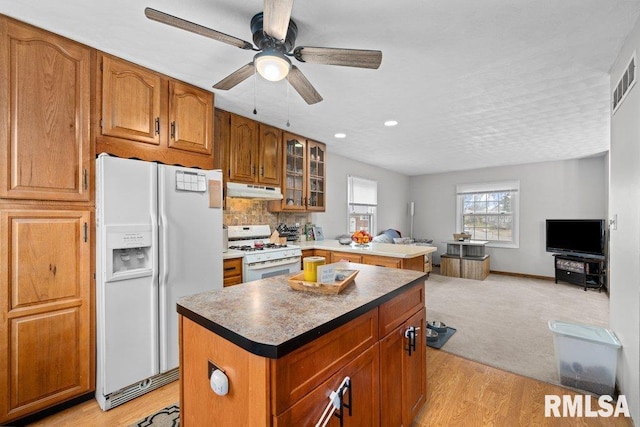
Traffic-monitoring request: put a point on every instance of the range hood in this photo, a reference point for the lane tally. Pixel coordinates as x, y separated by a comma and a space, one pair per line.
251, 191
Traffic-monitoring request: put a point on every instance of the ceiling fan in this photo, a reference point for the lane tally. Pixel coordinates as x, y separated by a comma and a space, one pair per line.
274, 34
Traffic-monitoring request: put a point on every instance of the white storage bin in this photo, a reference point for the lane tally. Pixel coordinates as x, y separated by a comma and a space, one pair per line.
586, 356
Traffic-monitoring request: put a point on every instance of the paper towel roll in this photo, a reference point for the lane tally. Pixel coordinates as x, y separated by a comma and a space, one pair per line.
311, 264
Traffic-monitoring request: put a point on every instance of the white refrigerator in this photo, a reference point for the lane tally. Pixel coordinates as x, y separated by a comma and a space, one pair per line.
159, 237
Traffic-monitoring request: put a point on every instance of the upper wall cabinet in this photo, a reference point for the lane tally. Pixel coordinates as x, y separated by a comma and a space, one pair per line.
304, 182
253, 150
242, 149
149, 116
269, 155
190, 118
45, 115
130, 102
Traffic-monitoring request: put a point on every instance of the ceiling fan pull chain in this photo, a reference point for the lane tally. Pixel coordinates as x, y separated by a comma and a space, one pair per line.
255, 90
288, 103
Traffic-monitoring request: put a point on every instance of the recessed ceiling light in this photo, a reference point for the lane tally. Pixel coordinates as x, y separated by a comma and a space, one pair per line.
391, 123
340, 135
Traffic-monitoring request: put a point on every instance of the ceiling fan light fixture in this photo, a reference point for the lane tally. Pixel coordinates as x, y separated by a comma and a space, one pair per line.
272, 65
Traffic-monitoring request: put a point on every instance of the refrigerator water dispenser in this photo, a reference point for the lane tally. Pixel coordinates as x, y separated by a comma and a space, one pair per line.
128, 252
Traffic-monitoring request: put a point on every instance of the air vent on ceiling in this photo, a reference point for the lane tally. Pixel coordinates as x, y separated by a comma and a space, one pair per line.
625, 83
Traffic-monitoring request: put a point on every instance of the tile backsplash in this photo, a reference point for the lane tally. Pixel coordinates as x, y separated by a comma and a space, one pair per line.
252, 212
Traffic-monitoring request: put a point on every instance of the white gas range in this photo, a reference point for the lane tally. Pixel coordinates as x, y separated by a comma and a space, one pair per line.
262, 259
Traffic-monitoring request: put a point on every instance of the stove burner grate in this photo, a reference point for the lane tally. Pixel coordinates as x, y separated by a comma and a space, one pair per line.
249, 248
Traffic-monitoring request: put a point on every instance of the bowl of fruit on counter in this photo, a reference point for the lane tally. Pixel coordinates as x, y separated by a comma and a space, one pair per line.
361, 238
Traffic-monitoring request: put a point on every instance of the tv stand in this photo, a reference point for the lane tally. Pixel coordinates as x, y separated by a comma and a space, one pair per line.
584, 271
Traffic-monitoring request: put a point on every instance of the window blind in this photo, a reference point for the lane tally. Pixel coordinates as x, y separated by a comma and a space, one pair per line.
362, 191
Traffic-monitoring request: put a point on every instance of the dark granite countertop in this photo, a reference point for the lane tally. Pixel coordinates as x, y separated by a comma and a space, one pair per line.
268, 318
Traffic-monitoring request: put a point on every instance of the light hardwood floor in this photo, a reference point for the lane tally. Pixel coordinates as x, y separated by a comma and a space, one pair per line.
460, 392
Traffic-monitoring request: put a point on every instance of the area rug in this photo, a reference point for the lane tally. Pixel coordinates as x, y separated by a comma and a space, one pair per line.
502, 321
166, 417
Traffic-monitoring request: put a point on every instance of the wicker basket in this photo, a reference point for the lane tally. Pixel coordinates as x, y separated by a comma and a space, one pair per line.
461, 236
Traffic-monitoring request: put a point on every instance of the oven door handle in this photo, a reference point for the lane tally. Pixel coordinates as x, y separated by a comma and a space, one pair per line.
288, 261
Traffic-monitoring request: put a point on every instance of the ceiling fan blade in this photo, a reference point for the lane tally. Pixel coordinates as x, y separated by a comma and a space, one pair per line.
277, 14
303, 86
335, 56
238, 76
165, 18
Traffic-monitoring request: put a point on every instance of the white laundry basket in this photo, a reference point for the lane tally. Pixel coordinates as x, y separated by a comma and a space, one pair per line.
586, 356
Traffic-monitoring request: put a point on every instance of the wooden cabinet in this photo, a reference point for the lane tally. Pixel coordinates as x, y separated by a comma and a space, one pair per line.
345, 256
298, 373
388, 385
255, 153
316, 182
363, 398
148, 116
232, 271
416, 263
131, 99
243, 136
46, 208
45, 328
382, 261
269, 155
323, 253
45, 105
402, 356
190, 118
303, 175
253, 150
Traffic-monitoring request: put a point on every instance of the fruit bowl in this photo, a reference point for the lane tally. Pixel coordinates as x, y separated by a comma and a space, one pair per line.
361, 237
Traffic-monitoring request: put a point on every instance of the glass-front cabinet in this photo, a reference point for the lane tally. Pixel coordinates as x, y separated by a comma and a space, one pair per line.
295, 170
304, 170
316, 183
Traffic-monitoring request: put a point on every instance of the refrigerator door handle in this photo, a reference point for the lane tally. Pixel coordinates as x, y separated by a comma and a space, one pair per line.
164, 253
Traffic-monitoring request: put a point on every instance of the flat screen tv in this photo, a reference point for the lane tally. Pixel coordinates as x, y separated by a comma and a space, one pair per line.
581, 237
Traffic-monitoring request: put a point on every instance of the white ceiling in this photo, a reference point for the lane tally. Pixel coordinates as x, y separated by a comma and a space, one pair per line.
473, 83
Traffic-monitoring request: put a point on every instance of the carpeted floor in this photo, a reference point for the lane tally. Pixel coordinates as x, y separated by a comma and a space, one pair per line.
502, 320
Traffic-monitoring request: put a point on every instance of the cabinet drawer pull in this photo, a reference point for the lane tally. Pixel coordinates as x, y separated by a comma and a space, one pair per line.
157, 125
174, 130
229, 268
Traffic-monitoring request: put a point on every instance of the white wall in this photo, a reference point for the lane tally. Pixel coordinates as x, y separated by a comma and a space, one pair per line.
624, 245
393, 190
562, 189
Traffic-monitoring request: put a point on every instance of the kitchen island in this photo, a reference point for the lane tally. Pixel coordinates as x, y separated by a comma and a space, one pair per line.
284, 351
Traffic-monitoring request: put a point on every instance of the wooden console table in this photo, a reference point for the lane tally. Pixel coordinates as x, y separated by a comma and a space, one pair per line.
466, 259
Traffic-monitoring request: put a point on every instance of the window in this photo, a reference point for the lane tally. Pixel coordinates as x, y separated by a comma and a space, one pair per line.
363, 201
489, 211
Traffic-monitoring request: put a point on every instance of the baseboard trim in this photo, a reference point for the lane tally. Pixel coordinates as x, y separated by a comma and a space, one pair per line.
528, 276
509, 273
